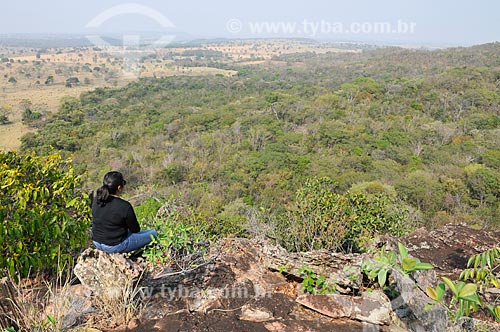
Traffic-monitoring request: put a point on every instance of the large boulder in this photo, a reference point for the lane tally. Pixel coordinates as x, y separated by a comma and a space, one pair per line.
104, 273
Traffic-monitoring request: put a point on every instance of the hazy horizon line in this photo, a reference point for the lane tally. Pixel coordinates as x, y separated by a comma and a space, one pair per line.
189, 37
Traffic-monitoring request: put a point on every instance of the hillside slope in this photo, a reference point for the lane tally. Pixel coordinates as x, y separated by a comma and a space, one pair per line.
422, 126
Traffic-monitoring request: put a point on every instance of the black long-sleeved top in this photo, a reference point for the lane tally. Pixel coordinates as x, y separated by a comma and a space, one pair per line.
112, 222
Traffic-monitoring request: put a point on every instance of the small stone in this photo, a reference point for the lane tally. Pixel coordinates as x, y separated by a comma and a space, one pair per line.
251, 314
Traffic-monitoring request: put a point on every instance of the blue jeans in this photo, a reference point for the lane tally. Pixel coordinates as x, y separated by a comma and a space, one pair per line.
133, 242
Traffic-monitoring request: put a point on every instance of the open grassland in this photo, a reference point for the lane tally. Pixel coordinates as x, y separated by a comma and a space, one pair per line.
44, 99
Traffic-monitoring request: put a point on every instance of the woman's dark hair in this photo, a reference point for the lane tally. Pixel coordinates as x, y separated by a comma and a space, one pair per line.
110, 184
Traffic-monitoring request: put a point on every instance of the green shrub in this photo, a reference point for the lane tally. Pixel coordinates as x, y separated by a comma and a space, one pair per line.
378, 268
321, 218
318, 218
178, 237
44, 217
314, 284
374, 215
147, 209
464, 298
175, 241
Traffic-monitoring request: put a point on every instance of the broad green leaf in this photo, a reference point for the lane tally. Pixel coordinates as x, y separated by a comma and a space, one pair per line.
423, 266
450, 285
409, 264
471, 299
403, 252
382, 277
497, 312
458, 286
440, 290
72, 202
431, 292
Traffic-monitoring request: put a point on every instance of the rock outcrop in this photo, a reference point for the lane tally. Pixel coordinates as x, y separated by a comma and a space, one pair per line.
448, 248
245, 285
103, 273
410, 306
342, 269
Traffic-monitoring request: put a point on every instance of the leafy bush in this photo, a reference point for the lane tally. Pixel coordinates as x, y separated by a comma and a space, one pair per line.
44, 215
374, 215
464, 298
321, 218
469, 297
314, 284
482, 268
180, 242
385, 261
147, 209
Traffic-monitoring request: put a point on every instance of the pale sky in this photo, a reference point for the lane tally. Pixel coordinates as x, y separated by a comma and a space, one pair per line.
448, 22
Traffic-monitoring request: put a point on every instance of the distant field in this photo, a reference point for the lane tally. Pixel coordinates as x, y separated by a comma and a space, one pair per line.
39, 76
44, 98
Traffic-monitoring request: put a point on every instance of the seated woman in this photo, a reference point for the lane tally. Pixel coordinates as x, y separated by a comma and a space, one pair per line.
114, 225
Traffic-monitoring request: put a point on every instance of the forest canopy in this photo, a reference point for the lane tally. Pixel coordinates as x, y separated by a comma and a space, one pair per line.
420, 128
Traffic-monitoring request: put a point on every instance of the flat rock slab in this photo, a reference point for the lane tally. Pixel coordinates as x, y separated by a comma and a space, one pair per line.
449, 248
373, 307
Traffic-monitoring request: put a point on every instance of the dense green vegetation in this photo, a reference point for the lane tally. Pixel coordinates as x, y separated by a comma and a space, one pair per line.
44, 217
321, 218
418, 129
